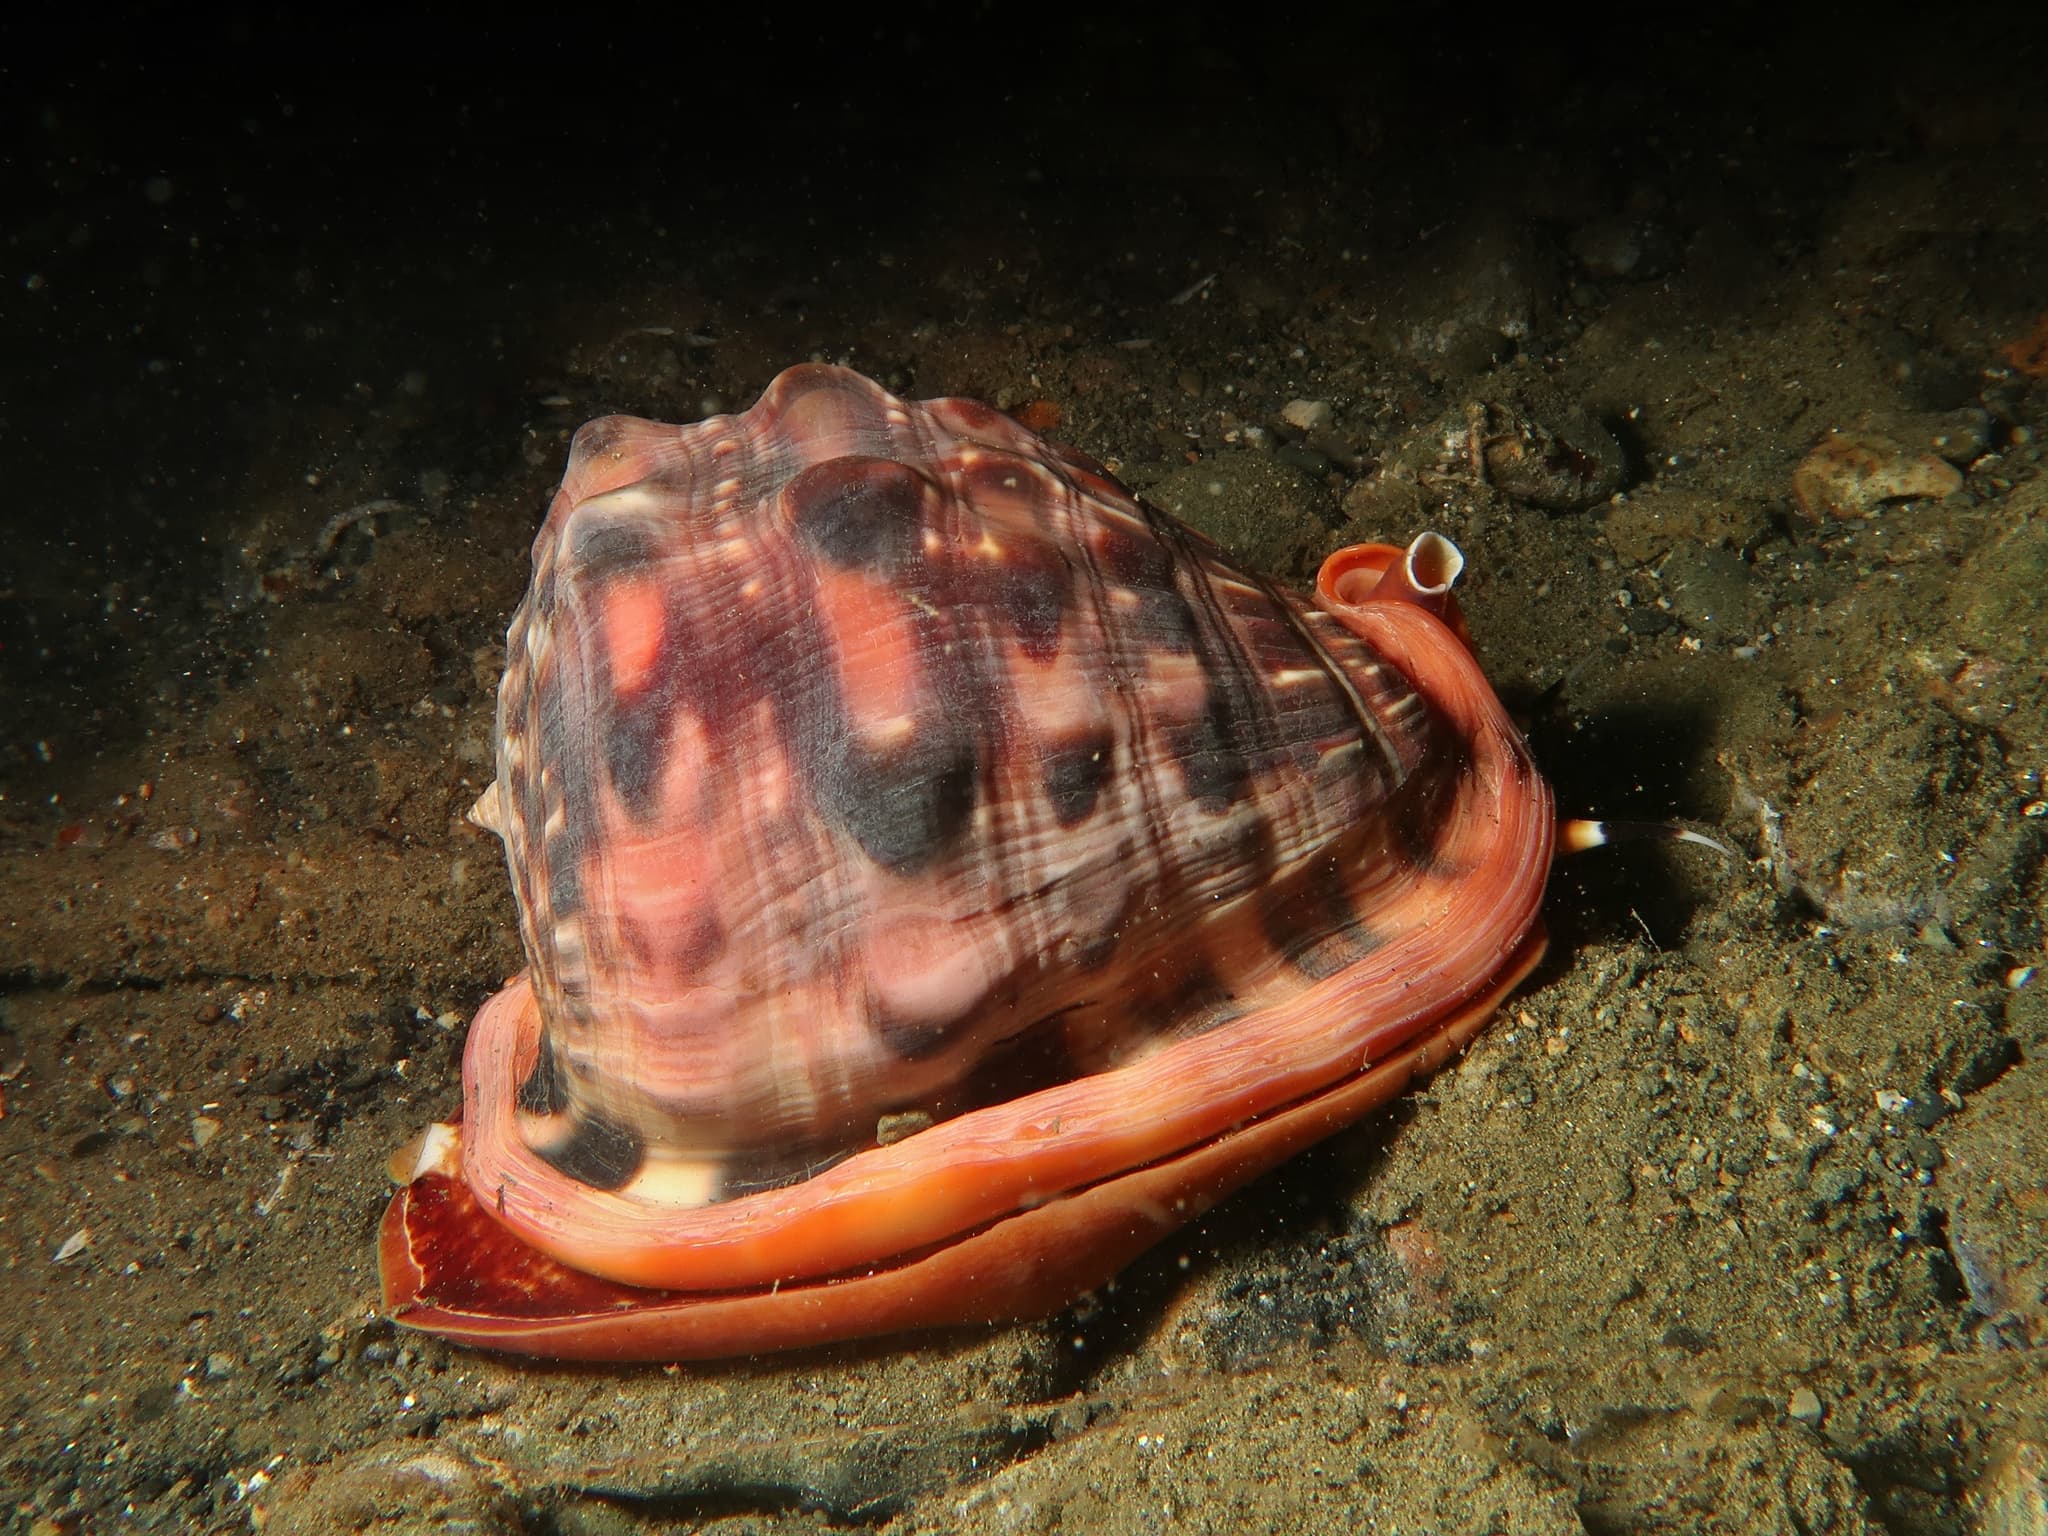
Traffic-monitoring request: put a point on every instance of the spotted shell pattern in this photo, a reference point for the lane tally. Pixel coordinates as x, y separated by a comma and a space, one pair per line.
975, 774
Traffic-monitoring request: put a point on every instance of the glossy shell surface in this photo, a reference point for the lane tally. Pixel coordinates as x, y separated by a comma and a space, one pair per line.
942, 874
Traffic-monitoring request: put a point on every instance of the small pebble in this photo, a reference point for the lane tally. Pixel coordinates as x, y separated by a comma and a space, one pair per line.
1852, 474
892, 1128
2012, 1497
1831, 1186
1927, 1112
1306, 415
1623, 247
1960, 436
1712, 590
219, 1367
1924, 1152
1805, 1406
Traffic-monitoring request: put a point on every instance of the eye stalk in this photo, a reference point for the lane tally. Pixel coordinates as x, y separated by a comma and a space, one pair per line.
1577, 834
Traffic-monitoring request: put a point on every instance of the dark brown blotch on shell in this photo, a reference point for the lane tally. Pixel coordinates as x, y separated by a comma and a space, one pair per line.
1162, 620
1312, 923
904, 805
1197, 1002
603, 550
1028, 586
1219, 750
565, 883
1418, 826
636, 743
598, 1152
683, 950
542, 1093
920, 1038
861, 513
1215, 769
1074, 772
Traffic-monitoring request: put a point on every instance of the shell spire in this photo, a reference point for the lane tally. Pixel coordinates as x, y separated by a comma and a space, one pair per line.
489, 810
